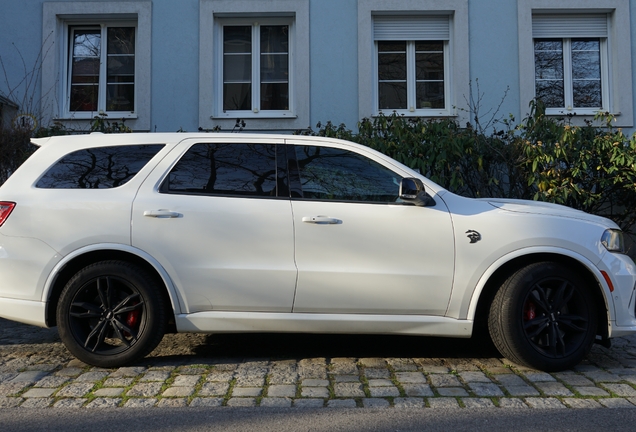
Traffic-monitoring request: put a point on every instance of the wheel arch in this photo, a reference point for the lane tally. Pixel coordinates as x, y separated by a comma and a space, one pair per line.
79, 259
502, 269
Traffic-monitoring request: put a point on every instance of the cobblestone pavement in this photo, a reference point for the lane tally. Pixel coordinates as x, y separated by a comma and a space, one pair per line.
36, 371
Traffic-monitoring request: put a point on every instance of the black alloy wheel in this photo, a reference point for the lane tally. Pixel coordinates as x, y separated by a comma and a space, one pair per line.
110, 314
544, 317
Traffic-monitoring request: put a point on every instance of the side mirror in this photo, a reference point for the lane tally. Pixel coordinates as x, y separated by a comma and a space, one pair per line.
412, 191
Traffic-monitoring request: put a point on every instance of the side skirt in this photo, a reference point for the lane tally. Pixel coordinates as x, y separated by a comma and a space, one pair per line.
266, 322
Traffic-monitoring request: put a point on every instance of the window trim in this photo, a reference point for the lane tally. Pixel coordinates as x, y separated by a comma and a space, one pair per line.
56, 17
210, 72
70, 25
411, 84
568, 81
457, 80
249, 114
619, 77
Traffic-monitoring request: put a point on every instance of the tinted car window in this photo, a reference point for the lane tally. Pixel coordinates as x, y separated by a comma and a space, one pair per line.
225, 169
334, 174
99, 167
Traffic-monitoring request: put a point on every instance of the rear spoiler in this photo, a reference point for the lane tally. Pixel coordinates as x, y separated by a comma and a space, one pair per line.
39, 141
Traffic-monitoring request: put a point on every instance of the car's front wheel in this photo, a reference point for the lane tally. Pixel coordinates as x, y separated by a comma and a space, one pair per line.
111, 313
543, 316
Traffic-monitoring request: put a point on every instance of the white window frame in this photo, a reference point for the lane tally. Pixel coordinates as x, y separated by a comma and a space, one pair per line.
213, 13
255, 112
568, 83
616, 63
411, 81
57, 16
456, 62
102, 85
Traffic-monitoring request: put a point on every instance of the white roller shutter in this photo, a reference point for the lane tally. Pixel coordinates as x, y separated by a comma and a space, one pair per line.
569, 26
425, 27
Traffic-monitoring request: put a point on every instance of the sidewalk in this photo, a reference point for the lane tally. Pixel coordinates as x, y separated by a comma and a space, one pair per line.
43, 375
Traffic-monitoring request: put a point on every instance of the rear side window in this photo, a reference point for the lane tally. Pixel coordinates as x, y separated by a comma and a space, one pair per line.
225, 169
98, 168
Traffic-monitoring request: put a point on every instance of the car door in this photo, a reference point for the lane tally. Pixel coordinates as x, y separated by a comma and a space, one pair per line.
219, 221
360, 250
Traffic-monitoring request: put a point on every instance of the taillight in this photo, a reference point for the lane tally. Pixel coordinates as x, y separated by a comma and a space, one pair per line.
5, 210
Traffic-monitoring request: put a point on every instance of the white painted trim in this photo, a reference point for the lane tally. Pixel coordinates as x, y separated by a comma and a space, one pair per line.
264, 322
619, 51
459, 83
298, 63
55, 14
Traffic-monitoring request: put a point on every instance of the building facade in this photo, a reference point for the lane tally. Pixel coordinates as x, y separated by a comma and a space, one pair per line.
285, 65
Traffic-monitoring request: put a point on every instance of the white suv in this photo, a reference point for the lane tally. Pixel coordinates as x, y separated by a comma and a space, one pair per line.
117, 239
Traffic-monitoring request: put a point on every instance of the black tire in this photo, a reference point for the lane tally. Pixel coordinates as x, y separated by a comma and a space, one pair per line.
544, 317
110, 314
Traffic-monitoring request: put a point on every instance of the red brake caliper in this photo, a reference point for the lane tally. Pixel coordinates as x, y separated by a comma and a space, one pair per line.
132, 319
529, 312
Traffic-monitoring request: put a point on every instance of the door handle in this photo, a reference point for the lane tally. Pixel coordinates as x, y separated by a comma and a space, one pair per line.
162, 214
321, 220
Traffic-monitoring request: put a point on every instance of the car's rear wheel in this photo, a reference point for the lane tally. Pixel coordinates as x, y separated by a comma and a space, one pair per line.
544, 316
111, 313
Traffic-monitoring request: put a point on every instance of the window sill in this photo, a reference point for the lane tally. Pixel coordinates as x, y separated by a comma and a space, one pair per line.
578, 112
92, 115
417, 113
253, 115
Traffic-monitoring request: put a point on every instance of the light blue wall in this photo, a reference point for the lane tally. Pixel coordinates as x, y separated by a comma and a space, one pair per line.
334, 62
175, 65
494, 58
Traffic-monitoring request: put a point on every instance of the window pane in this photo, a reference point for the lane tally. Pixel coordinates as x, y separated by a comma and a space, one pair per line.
586, 59
551, 93
121, 68
85, 66
85, 70
275, 39
392, 61
226, 169
334, 174
237, 96
391, 67
120, 97
237, 39
274, 67
84, 97
121, 40
98, 168
429, 66
237, 68
392, 95
587, 94
275, 96
548, 59
87, 43
430, 95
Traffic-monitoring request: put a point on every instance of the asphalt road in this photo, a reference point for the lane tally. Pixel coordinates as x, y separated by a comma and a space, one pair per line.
332, 420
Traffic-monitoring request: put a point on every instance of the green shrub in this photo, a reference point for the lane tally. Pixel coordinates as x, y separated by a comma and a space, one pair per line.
15, 148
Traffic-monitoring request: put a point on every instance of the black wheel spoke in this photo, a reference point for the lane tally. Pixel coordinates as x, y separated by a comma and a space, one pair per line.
120, 308
570, 321
119, 326
552, 341
540, 299
538, 324
562, 296
100, 332
91, 310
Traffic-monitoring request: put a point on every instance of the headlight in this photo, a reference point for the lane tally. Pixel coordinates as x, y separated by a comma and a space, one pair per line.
612, 239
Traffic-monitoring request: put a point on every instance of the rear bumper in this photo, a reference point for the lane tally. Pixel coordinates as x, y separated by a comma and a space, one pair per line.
24, 311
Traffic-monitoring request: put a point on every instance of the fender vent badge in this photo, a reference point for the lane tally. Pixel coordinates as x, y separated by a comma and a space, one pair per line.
473, 235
